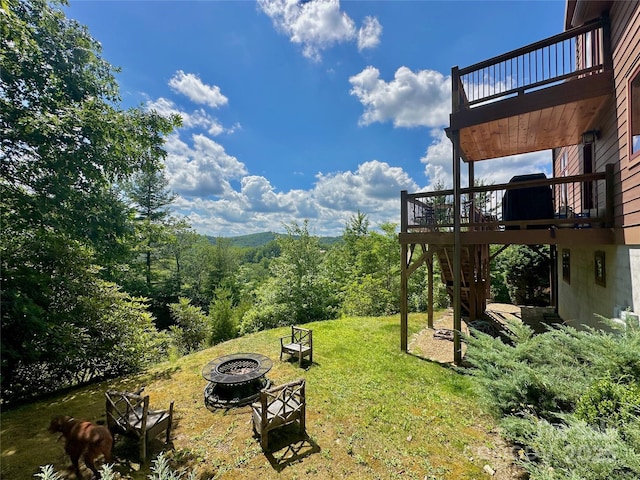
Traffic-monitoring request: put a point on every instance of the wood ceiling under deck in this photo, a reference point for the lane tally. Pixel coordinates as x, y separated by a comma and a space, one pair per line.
552, 117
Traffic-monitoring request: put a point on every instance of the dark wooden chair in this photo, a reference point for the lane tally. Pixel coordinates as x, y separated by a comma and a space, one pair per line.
277, 407
129, 414
299, 344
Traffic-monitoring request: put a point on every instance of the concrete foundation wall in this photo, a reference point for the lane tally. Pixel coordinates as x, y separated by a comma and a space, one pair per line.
581, 300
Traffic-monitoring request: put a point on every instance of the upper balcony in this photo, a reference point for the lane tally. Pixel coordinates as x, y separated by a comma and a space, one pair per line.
539, 97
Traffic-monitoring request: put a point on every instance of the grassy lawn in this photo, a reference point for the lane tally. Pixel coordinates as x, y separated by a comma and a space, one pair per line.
372, 412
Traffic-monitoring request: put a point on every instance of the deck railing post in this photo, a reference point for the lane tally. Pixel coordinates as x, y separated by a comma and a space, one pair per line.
607, 60
455, 93
404, 212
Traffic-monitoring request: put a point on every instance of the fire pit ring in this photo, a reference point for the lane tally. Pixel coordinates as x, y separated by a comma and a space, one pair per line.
236, 379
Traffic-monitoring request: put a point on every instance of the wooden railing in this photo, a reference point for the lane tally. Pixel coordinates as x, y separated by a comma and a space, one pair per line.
575, 53
578, 201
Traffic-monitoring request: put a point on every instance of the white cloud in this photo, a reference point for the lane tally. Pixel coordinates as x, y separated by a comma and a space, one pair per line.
411, 99
197, 119
198, 92
374, 189
369, 34
373, 184
203, 169
319, 24
438, 160
261, 196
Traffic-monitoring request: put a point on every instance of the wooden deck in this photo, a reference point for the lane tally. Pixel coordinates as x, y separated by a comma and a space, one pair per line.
538, 97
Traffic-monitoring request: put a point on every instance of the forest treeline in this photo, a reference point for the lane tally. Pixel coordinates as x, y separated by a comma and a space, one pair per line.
99, 277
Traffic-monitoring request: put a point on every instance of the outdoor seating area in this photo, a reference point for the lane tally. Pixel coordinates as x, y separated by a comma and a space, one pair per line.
298, 344
277, 407
128, 414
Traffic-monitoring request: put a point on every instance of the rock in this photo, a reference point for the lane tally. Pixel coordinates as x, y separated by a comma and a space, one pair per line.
489, 470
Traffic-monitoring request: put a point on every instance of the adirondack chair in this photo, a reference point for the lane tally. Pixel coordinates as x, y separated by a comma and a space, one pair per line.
277, 407
129, 414
299, 344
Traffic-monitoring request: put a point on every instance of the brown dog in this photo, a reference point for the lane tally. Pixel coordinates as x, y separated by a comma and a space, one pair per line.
83, 437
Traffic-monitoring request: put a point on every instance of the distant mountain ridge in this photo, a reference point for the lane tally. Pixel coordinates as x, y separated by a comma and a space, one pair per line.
260, 239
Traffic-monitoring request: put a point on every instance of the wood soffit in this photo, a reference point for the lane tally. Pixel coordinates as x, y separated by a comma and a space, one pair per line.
549, 118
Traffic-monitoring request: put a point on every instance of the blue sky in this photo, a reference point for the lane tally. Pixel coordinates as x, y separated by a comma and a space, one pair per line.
312, 110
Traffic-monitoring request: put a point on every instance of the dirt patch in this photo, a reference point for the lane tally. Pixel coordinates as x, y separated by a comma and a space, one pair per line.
433, 343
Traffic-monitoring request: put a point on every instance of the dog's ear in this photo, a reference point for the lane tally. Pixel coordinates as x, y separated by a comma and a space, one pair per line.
56, 423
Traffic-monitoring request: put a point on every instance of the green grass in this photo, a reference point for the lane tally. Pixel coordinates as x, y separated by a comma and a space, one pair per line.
372, 412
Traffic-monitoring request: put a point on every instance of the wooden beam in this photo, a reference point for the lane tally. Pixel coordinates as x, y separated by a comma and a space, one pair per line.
430, 291
457, 253
404, 307
555, 236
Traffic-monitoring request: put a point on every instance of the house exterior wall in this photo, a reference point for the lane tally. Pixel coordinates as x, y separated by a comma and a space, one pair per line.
581, 299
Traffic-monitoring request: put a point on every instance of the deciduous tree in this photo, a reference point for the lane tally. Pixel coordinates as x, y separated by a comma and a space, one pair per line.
65, 143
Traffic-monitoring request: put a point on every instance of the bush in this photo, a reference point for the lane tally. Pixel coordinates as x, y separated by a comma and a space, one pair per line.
576, 450
107, 334
609, 404
192, 326
368, 297
570, 397
264, 317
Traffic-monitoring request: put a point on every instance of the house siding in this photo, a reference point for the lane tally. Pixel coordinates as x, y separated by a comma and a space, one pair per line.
625, 37
582, 301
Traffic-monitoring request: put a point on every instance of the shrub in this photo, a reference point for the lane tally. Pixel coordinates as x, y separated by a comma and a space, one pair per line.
569, 397
368, 297
578, 451
192, 326
264, 317
546, 374
108, 334
609, 404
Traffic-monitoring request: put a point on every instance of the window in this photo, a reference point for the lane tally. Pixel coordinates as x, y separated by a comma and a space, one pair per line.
566, 265
634, 117
600, 271
587, 167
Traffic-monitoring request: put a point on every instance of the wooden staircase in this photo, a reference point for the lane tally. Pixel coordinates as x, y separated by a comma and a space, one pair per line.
475, 280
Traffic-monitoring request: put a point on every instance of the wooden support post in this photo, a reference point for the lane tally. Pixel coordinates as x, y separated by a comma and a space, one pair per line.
430, 291
404, 294
457, 252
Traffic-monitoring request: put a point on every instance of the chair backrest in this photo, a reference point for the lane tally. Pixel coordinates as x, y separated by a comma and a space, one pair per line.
127, 412
301, 336
284, 402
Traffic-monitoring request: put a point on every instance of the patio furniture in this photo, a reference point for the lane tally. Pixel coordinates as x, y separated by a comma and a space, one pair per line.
129, 414
299, 344
277, 407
